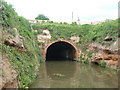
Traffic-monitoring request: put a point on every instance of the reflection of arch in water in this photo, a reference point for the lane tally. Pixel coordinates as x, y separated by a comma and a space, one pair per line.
61, 49
66, 68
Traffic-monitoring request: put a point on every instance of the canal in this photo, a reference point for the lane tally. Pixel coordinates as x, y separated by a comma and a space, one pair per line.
71, 74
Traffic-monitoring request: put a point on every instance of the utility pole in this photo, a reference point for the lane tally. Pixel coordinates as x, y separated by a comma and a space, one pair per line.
72, 16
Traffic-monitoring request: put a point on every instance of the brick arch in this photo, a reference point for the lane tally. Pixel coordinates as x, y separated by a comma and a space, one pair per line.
70, 43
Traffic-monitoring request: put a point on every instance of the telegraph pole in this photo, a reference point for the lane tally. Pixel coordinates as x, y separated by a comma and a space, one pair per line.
72, 16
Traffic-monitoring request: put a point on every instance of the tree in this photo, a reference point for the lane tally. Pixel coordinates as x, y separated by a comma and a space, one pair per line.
74, 23
41, 17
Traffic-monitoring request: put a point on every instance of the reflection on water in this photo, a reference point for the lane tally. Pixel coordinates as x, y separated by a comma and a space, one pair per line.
60, 69
69, 74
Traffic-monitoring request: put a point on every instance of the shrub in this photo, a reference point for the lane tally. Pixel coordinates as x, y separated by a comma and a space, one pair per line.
103, 63
86, 60
74, 23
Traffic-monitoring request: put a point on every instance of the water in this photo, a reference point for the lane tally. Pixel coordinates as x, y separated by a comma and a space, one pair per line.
70, 74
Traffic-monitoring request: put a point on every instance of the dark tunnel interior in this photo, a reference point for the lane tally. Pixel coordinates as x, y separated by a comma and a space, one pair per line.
60, 51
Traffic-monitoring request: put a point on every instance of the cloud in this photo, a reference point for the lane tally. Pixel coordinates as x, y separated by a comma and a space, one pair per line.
61, 10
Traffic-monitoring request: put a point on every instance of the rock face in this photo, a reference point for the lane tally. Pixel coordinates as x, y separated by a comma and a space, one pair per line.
8, 76
46, 32
75, 39
44, 37
114, 47
107, 38
105, 54
15, 41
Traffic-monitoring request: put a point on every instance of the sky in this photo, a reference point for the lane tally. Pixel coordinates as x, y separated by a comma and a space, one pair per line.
61, 10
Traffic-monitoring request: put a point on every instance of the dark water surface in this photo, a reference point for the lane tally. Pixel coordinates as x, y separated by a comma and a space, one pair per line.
70, 74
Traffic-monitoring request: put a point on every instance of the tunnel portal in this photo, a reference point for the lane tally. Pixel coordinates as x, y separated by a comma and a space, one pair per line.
61, 51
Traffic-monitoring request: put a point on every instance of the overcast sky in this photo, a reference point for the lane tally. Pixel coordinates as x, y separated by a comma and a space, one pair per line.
61, 10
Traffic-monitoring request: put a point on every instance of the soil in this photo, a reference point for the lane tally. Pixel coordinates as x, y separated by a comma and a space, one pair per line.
8, 76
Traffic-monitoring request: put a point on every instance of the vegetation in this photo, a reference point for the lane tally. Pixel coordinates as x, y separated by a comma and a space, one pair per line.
86, 60
25, 63
41, 17
88, 33
89, 54
103, 64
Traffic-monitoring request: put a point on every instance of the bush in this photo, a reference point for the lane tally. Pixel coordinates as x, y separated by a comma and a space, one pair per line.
103, 64
86, 60
74, 23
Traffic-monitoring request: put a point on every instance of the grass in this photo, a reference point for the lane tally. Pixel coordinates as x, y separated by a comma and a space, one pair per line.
24, 63
87, 33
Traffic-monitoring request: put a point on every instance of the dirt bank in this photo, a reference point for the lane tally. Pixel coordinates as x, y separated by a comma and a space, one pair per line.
8, 75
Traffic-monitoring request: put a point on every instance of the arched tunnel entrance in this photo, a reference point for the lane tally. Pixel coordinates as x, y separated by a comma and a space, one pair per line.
61, 50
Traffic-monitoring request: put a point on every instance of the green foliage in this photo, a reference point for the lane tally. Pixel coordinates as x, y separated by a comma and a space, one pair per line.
50, 21
40, 43
36, 26
41, 59
86, 60
41, 17
89, 54
12, 32
103, 63
74, 23
65, 23
9, 19
88, 33
25, 62
58, 30
81, 56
